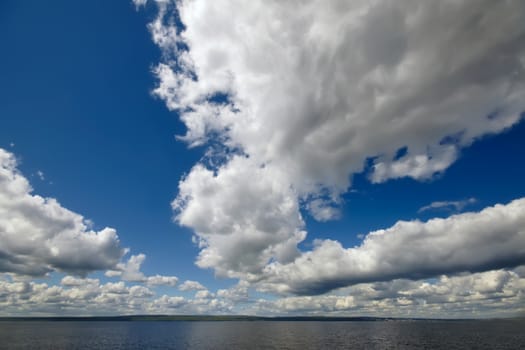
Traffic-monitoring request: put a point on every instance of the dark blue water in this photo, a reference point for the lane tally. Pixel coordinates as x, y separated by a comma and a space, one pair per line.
488, 334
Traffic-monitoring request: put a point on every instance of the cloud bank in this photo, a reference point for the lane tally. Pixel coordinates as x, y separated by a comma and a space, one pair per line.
294, 99
491, 239
38, 235
487, 294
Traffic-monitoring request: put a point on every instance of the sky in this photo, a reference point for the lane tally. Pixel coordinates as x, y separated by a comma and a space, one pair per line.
273, 158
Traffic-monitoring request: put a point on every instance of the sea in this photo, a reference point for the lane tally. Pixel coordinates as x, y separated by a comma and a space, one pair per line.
391, 334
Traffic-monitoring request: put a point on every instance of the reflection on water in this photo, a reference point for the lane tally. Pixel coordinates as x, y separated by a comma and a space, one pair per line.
488, 334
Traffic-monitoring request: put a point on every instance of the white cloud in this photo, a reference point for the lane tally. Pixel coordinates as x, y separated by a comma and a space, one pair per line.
455, 205
237, 293
191, 285
243, 216
38, 235
491, 239
204, 294
139, 3
323, 210
311, 93
159, 280
497, 293
321, 87
71, 281
493, 293
131, 272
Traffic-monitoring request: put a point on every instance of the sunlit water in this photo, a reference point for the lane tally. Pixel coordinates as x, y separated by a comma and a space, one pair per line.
489, 334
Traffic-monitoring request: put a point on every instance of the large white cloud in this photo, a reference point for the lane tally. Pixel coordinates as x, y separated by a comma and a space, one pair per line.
496, 293
298, 97
319, 87
493, 238
38, 235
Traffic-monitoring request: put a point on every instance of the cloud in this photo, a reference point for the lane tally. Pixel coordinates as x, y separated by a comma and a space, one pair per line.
323, 210
295, 100
160, 280
454, 205
40, 175
71, 281
191, 285
130, 272
139, 3
243, 216
323, 87
204, 294
496, 293
491, 239
38, 235
493, 293
236, 294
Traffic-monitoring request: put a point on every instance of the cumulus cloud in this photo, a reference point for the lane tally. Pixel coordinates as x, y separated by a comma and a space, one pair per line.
204, 294
243, 215
322, 87
75, 296
191, 285
491, 239
130, 271
160, 280
492, 293
237, 293
295, 100
38, 235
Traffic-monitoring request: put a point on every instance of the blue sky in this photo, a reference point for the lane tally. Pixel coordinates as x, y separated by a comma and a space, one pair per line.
78, 108
273, 181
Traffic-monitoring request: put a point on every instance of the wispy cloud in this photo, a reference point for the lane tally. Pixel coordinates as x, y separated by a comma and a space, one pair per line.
40, 175
448, 205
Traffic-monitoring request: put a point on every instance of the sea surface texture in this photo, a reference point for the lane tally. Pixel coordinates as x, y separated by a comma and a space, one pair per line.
486, 334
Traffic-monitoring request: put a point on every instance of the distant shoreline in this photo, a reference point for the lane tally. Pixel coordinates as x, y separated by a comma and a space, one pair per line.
131, 318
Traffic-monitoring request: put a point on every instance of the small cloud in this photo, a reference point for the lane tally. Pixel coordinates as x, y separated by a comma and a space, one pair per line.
139, 3
40, 174
448, 205
159, 280
130, 271
323, 210
191, 285
204, 294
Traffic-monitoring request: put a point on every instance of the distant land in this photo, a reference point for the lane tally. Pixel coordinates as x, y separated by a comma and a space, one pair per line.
218, 318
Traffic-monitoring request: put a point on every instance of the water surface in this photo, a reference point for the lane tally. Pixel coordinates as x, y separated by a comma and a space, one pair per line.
486, 334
